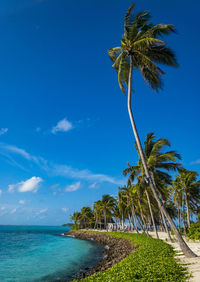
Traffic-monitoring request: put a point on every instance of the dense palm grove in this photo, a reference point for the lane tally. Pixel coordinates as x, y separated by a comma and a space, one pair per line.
135, 208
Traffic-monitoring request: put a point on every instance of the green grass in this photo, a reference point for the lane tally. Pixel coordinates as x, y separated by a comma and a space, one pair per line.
153, 260
193, 232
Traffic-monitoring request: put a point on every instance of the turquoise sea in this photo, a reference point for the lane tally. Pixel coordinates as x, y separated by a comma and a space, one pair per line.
39, 253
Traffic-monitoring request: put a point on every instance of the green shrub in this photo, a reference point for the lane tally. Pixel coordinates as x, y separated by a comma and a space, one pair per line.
75, 227
153, 260
193, 232
181, 230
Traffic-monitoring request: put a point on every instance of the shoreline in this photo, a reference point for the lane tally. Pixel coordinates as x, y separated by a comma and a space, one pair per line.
115, 249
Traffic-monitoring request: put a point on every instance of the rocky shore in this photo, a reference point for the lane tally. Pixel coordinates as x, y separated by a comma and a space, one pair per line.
115, 250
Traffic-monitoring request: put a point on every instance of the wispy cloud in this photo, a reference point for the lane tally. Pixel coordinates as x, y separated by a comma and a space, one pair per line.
9, 150
1, 192
65, 209
18, 151
59, 169
42, 211
69, 172
195, 162
73, 187
3, 131
93, 185
22, 202
62, 126
13, 211
30, 185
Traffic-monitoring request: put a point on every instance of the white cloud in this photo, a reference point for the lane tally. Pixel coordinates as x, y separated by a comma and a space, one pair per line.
22, 202
13, 211
42, 211
2, 208
195, 162
1, 192
63, 125
93, 185
3, 131
73, 187
30, 185
65, 209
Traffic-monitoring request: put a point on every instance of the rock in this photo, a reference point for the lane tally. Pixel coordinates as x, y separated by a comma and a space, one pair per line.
115, 250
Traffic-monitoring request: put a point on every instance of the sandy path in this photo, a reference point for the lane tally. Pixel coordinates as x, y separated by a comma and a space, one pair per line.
193, 264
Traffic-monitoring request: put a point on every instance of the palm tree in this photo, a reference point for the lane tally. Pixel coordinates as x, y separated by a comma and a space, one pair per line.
131, 202
122, 205
76, 217
188, 188
87, 217
108, 204
98, 211
159, 163
142, 49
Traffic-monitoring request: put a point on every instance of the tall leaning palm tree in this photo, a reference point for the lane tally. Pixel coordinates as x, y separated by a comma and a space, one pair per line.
142, 48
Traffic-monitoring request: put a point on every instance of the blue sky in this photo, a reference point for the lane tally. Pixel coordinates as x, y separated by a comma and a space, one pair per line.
65, 134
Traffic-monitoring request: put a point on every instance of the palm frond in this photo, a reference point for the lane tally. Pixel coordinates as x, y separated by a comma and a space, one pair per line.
147, 42
123, 72
162, 55
151, 77
114, 53
159, 145
159, 30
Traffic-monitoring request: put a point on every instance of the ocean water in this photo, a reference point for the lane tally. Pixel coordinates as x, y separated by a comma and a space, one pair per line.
39, 253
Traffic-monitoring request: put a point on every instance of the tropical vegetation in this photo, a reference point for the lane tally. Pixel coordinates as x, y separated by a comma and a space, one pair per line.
135, 209
153, 260
143, 48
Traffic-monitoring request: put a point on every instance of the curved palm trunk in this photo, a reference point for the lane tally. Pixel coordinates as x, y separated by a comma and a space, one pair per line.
122, 220
162, 215
178, 209
105, 222
134, 218
96, 222
151, 212
183, 211
142, 217
187, 209
130, 222
186, 250
140, 224
161, 223
166, 227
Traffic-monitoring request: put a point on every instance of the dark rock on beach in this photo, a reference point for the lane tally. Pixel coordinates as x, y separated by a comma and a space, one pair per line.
115, 250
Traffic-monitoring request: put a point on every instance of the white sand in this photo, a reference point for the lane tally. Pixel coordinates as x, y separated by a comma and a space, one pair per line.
193, 264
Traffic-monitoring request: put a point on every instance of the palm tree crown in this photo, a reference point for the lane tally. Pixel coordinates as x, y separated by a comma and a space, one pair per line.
142, 43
